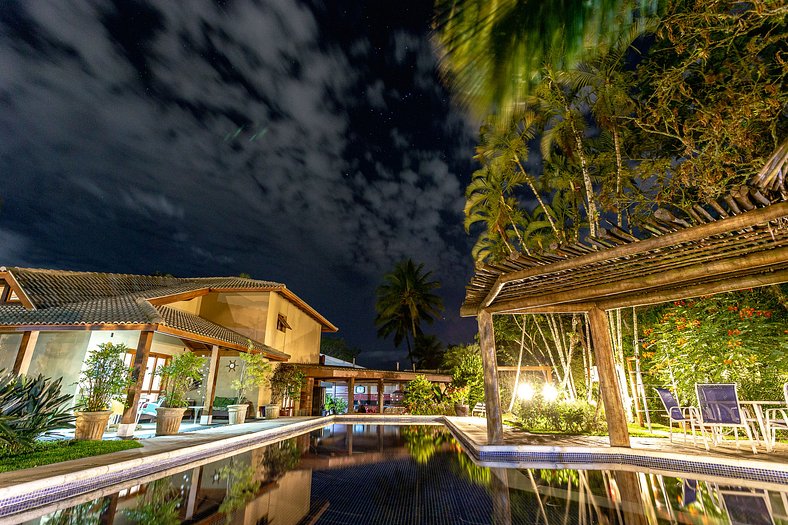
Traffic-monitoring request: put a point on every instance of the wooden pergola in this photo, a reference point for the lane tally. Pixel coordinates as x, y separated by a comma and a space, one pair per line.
736, 244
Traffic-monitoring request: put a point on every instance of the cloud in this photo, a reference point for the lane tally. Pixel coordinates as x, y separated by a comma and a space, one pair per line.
211, 140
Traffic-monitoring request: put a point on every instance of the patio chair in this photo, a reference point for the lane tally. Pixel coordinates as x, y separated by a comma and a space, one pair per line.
747, 507
480, 409
678, 414
718, 408
117, 412
776, 419
148, 408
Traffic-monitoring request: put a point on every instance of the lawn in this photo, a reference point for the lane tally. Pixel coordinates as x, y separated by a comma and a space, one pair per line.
48, 452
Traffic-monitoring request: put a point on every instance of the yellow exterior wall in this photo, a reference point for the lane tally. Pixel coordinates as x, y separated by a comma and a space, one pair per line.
191, 306
245, 313
303, 341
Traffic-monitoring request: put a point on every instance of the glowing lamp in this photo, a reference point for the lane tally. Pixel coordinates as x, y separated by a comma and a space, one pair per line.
525, 391
549, 392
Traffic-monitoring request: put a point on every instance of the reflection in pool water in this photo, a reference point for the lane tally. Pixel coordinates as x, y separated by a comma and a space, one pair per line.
366, 474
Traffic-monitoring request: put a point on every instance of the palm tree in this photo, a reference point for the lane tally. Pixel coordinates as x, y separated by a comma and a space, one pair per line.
504, 147
404, 300
565, 129
609, 100
486, 201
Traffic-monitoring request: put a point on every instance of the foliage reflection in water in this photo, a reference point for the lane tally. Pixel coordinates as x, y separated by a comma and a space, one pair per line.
415, 474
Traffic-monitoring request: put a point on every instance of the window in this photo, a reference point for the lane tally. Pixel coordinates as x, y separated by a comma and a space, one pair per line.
151, 383
281, 323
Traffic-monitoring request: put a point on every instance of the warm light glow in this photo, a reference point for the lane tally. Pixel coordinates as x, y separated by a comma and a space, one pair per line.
525, 391
549, 392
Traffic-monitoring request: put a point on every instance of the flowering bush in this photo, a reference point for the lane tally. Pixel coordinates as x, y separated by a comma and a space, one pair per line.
727, 338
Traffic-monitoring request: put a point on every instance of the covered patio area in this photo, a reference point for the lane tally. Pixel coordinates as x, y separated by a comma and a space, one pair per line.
361, 387
726, 246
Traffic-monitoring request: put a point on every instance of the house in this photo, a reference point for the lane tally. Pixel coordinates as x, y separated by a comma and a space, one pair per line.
50, 319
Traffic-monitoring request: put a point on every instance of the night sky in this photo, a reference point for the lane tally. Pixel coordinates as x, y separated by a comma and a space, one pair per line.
308, 144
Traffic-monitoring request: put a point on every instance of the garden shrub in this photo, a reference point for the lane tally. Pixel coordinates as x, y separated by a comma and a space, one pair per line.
570, 417
29, 408
727, 338
335, 405
465, 364
423, 398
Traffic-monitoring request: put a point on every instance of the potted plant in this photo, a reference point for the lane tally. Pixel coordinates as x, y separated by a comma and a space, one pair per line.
104, 377
459, 396
177, 378
287, 380
253, 373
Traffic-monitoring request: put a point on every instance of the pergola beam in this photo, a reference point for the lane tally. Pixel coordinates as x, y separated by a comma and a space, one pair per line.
721, 271
696, 233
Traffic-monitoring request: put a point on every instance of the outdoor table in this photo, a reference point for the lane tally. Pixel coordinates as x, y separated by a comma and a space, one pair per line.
757, 408
197, 409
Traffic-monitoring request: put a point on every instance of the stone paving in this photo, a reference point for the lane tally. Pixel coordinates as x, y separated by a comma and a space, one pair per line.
475, 429
151, 447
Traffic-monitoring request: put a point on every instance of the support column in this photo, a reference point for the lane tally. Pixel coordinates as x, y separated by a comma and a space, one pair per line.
492, 399
351, 392
129, 420
25, 352
381, 388
210, 386
608, 383
305, 403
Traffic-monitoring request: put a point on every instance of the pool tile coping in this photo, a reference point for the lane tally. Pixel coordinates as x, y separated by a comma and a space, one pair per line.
27, 495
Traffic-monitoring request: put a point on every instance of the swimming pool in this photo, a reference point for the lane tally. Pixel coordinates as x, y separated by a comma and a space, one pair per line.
367, 474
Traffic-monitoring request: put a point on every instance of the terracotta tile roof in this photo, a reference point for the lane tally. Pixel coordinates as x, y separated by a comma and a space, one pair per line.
62, 297
48, 288
127, 309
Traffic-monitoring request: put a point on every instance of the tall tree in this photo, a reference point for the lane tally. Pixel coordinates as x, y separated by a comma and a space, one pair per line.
404, 300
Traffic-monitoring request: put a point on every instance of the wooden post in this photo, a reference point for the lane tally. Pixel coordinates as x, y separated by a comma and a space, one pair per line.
381, 388
492, 399
25, 353
305, 402
210, 386
608, 384
194, 490
351, 392
129, 420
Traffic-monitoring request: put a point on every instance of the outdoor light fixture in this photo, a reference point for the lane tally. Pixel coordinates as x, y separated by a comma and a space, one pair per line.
549, 392
525, 391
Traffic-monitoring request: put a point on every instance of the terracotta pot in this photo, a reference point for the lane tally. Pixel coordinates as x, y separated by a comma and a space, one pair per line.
461, 410
271, 411
168, 420
236, 414
91, 425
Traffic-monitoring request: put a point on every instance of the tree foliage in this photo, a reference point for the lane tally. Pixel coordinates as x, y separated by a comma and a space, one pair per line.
105, 377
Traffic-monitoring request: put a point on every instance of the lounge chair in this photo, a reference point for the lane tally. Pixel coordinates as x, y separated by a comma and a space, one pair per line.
747, 507
718, 408
776, 419
479, 408
678, 414
148, 408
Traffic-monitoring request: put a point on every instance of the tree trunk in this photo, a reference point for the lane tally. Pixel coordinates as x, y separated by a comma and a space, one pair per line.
530, 182
619, 176
593, 214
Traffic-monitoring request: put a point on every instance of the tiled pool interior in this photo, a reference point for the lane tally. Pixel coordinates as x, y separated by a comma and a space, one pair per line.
374, 474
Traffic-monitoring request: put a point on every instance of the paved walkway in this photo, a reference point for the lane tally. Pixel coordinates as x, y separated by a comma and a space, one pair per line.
151, 447
475, 429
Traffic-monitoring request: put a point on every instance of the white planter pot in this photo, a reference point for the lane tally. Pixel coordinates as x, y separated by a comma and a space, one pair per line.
236, 414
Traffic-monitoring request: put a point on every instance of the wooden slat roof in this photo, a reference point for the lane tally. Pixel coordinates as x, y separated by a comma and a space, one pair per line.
719, 247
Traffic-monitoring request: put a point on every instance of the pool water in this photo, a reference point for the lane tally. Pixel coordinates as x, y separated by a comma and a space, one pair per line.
375, 474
